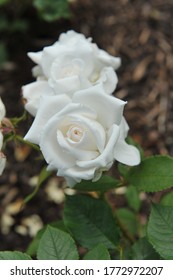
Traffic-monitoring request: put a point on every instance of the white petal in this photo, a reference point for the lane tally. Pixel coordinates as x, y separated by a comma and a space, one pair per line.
67, 85
32, 93
95, 137
124, 128
49, 55
76, 174
108, 59
127, 154
106, 157
49, 106
52, 152
1, 139
35, 56
2, 162
109, 79
2, 110
75, 152
109, 109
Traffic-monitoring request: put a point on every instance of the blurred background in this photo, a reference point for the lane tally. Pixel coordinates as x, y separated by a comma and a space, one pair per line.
140, 32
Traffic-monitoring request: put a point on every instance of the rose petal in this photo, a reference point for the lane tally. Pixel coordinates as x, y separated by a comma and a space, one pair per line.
107, 156
35, 56
126, 154
109, 109
66, 85
32, 93
109, 79
49, 106
75, 152
2, 162
76, 174
108, 59
2, 110
1, 140
95, 137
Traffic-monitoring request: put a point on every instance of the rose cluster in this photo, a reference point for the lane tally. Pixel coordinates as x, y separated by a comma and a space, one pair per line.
78, 123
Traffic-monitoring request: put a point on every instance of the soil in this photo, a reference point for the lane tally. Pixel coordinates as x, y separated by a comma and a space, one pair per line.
140, 32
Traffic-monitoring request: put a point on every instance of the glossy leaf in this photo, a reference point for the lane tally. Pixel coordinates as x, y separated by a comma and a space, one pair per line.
153, 174
99, 252
56, 245
90, 221
143, 250
105, 183
15, 255
160, 230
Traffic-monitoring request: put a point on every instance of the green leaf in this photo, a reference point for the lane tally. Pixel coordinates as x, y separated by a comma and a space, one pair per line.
153, 174
103, 184
52, 10
2, 2
56, 245
167, 199
99, 252
142, 250
128, 221
33, 246
160, 230
90, 221
44, 174
132, 196
15, 255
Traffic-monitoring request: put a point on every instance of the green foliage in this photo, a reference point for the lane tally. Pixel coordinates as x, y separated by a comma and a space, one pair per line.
52, 10
44, 174
167, 199
143, 250
160, 230
2, 2
99, 252
153, 174
105, 183
90, 221
33, 246
56, 245
128, 221
7, 255
132, 196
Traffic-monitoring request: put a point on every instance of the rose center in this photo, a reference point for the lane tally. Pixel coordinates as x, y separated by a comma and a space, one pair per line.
75, 133
70, 70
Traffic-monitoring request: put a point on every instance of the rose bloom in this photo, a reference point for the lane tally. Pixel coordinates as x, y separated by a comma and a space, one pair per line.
70, 64
81, 138
2, 156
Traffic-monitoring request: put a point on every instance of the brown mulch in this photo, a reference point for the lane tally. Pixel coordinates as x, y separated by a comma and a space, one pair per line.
140, 32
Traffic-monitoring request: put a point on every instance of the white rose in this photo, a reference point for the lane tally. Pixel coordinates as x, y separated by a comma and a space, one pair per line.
70, 64
82, 138
2, 157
